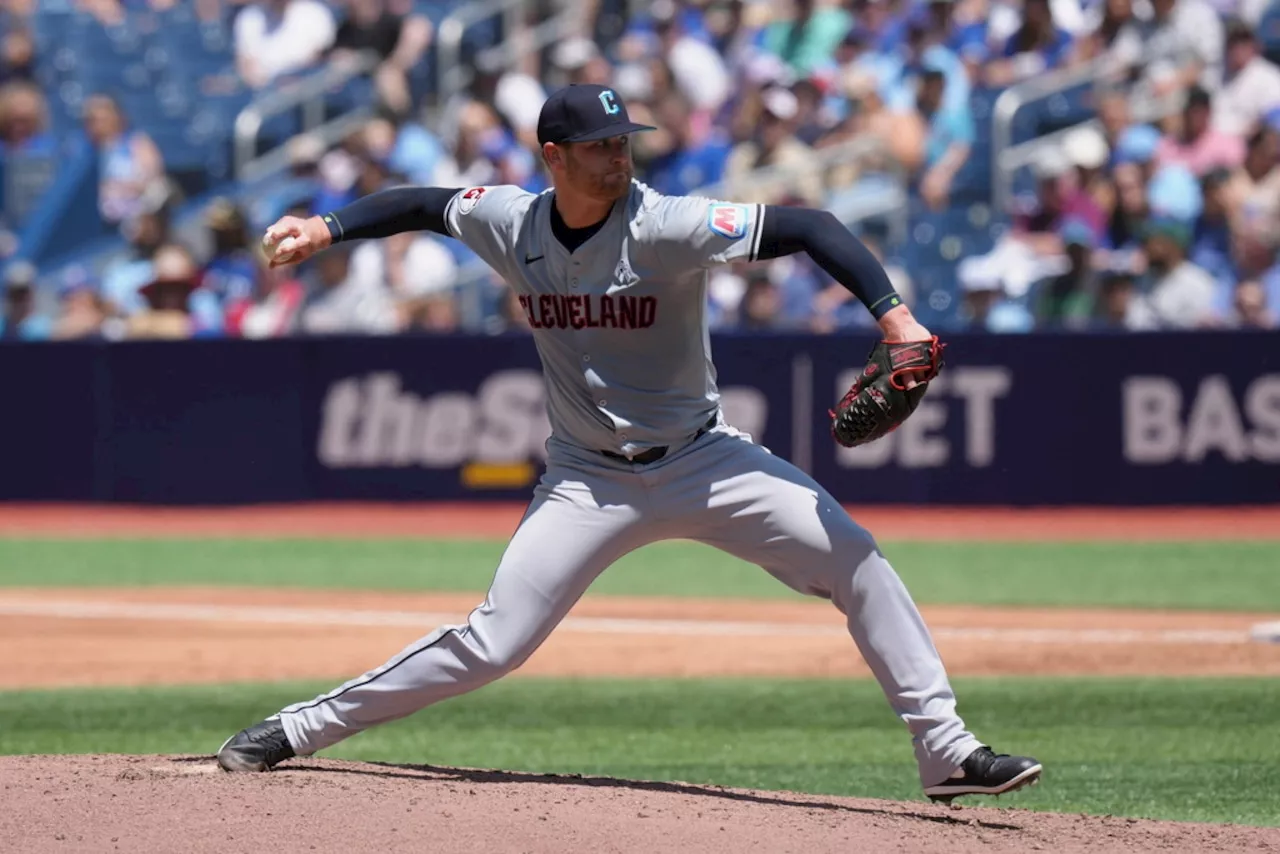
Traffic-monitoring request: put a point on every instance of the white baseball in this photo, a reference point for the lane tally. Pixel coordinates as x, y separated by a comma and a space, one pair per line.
281, 251
287, 249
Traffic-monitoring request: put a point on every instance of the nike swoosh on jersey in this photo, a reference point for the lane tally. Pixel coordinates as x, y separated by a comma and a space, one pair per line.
529, 260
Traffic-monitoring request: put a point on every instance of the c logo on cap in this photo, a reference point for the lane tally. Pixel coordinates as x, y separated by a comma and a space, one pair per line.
609, 100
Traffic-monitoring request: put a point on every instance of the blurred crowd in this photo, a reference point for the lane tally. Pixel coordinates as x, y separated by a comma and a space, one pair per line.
1168, 223
1149, 226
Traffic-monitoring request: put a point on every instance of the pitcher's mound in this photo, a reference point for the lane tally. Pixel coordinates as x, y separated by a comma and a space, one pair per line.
184, 803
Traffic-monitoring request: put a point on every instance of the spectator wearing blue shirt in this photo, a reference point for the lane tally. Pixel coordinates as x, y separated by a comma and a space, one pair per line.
923, 49
124, 280
1034, 48
1270, 286
231, 275
124, 275
1211, 242
948, 143
859, 58
941, 58
987, 306
678, 163
81, 313
964, 38
1174, 191
130, 165
407, 147
1250, 309
1257, 257
29, 150
886, 20
642, 38
798, 280
24, 120
1137, 145
19, 320
168, 311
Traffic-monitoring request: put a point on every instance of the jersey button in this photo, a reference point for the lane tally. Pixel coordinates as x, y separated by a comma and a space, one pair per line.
604, 402
574, 283
623, 437
586, 358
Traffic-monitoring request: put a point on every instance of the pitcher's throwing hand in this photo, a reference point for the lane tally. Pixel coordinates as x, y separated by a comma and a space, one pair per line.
292, 240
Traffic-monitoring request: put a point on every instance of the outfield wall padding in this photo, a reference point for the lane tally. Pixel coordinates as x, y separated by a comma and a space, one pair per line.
1047, 419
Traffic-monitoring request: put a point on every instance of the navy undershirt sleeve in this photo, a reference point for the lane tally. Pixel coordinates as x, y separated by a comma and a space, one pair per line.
389, 212
787, 230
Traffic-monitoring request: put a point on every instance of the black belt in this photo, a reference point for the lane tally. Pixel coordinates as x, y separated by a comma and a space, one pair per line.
654, 454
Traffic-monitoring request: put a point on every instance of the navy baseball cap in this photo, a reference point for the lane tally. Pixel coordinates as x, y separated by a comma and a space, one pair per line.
582, 112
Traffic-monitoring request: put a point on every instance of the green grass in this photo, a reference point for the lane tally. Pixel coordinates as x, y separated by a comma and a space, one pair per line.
1235, 575
1191, 749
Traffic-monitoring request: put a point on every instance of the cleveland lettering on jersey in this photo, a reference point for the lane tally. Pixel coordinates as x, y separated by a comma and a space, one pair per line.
589, 311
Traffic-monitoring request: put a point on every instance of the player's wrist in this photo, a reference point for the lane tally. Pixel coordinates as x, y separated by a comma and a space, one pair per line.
883, 305
897, 319
325, 231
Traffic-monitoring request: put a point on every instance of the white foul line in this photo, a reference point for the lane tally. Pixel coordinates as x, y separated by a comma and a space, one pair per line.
1266, 632
591, 625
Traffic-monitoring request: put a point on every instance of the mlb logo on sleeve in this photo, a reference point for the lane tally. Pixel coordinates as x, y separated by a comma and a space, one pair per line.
470, 199
728, 220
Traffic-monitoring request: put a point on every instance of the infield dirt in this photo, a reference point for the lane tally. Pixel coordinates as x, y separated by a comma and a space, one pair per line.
162, 804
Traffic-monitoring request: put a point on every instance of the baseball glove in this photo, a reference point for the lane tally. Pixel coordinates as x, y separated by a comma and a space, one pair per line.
880, 401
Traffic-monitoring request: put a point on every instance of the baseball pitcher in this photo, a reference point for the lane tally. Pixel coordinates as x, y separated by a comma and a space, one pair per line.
612, 278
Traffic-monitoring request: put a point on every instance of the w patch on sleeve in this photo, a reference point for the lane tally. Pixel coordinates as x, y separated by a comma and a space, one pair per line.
728, 220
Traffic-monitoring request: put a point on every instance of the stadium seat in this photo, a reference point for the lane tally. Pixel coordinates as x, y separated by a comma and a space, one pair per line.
1269, 32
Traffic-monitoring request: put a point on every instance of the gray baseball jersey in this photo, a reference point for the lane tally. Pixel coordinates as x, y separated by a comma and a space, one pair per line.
620, 323
621, 328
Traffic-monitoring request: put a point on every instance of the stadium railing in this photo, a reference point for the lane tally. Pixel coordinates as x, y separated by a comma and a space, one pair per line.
453, 75
308, 94
1008, 158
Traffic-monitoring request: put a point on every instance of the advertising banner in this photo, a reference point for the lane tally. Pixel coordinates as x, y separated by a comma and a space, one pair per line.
1176, 418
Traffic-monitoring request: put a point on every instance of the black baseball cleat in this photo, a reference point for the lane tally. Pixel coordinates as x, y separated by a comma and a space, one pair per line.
987, 773
259, 748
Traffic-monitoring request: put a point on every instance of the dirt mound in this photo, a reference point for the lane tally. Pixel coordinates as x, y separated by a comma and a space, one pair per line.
155, 803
